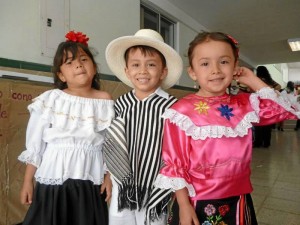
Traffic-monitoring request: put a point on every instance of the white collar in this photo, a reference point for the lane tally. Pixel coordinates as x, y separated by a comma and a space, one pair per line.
159, 91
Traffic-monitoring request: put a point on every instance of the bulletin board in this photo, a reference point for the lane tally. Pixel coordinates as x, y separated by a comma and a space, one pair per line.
15, 96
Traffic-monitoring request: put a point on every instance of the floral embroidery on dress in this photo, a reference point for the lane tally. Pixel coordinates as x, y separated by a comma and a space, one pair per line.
212, 217
201, 107
226, 111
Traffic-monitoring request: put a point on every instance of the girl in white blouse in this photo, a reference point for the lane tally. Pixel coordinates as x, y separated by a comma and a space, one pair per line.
64, 141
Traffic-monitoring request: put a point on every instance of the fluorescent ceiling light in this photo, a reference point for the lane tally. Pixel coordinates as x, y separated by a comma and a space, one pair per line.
294, 44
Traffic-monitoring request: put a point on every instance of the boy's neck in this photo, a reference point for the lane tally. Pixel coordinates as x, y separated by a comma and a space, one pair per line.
141, 95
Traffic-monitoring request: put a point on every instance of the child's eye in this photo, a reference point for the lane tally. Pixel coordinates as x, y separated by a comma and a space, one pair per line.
224, 62
151, 65
204, 64
84, 58
135, 65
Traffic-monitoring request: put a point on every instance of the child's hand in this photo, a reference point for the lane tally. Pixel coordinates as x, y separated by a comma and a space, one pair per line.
106, 185
26, 193
245, 76
187, 215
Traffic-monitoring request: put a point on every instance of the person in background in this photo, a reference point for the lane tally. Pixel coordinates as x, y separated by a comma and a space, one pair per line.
64, 139
262, 134
148, 65
207, 140
288, 91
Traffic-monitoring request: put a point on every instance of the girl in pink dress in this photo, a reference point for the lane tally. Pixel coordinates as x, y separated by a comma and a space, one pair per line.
207, 144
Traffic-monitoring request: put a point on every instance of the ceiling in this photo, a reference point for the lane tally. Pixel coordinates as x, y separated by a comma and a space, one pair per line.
261, 27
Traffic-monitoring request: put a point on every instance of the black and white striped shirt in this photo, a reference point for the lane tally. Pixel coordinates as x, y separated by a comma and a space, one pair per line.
144, 127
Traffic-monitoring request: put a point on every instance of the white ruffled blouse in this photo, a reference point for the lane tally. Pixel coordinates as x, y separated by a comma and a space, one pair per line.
64, 137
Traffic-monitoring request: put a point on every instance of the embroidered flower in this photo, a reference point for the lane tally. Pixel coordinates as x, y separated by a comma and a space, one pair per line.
223, 210
77, 37
201, 107
225, 111
217, 219
210, 210
222, 223
206, 223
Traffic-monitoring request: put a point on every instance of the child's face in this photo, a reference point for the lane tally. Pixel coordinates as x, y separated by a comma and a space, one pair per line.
78, 72
213, 66
145, 72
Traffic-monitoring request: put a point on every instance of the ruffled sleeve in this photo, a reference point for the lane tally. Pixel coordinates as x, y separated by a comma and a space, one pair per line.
34, 140
272, 107
175, 173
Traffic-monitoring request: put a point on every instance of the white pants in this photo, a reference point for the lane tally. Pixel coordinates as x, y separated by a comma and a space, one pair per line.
126, 216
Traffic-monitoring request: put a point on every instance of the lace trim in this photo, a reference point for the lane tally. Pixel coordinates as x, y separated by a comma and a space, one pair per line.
30, 157
203, 132
174, 183
269, 93
71, 111
59, 181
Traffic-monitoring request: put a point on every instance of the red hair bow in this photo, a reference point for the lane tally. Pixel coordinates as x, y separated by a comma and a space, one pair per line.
235, 43
77, 37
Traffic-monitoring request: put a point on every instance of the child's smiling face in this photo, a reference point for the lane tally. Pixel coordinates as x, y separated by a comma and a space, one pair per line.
145, 71
213, 65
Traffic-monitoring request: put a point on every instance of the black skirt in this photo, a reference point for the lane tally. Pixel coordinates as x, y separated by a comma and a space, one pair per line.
75, 202
237, 210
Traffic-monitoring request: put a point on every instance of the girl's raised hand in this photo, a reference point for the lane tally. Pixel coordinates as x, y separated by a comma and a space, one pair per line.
245, 76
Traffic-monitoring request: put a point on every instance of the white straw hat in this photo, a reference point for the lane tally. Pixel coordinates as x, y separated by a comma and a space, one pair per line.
116, 49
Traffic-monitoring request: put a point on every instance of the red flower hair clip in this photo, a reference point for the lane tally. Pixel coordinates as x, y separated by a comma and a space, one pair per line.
77, 37
235, 43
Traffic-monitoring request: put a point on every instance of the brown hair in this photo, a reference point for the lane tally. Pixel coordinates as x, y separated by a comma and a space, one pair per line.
215, 36
72, 47
146, 50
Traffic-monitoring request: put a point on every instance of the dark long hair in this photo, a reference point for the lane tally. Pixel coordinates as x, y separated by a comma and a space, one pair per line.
72, 47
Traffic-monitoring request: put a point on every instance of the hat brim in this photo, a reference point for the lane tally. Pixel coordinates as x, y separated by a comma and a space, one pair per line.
116, 49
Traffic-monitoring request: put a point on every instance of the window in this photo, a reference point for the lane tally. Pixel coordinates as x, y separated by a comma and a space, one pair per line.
153, 20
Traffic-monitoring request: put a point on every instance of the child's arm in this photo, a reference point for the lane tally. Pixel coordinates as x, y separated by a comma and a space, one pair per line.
187, 214
27, 188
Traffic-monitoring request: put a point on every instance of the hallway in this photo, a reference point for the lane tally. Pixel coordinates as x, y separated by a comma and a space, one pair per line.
276, 179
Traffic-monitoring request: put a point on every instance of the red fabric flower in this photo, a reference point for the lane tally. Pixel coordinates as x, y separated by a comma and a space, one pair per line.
232, 39
77, 37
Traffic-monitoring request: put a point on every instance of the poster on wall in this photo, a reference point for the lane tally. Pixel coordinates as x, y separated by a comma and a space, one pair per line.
15, 96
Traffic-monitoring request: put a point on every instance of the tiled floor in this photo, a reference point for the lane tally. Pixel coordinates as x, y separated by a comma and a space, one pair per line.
276, 179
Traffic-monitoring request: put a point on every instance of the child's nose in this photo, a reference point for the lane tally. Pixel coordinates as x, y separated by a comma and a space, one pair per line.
143, 69
78, 64
215, 68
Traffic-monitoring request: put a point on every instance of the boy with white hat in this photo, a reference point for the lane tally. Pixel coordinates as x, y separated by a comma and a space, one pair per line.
148, 65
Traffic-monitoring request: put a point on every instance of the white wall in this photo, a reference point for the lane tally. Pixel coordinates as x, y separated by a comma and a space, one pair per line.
294, 74
101, 20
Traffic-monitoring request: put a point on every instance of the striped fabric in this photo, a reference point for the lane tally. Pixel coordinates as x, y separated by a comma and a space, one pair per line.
115, 155
143, 128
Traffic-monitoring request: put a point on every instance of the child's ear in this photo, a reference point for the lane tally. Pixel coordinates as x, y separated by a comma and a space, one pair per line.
126, 71
236, 66
164, 73
191, 73
61, 77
